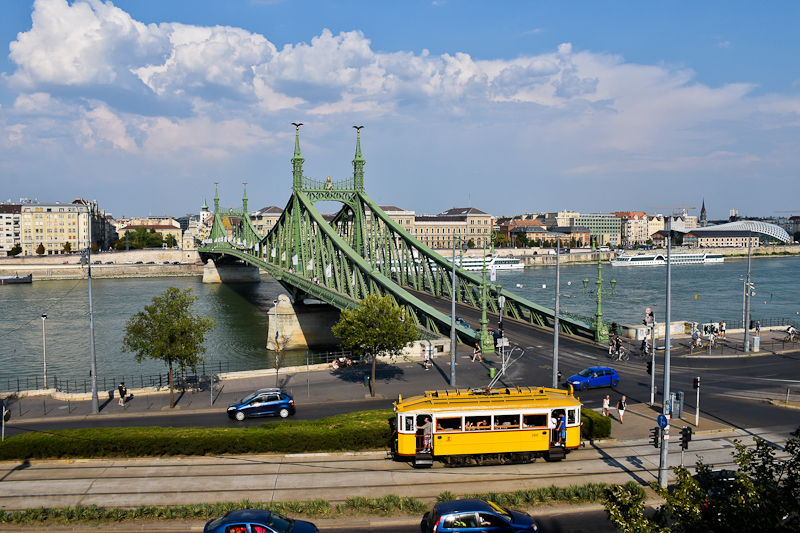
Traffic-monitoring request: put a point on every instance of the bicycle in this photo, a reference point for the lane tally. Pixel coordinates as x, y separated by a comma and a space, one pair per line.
792, 338
621, 356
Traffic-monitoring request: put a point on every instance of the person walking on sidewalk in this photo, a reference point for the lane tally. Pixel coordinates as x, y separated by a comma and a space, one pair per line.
477, 353
721, 329
427, 362
122, 393
606, 405
758, 328
621, 405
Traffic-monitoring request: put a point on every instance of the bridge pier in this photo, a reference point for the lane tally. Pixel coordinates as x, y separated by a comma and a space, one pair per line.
301, 326
213, 273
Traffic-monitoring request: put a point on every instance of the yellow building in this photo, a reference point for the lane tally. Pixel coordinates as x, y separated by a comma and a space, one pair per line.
79, 223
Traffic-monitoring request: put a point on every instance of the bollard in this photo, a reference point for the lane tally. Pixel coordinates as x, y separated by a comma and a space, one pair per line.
787, 394
44, 407
491, 372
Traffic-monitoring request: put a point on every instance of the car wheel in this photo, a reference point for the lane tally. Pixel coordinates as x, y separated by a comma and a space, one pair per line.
283, 412
614, 384
240, 416
584, 386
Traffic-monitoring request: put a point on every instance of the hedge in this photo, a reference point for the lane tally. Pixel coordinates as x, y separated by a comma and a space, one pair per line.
365, 430
594, 425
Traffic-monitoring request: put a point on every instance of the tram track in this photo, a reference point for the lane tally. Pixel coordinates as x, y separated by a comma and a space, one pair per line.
197, 480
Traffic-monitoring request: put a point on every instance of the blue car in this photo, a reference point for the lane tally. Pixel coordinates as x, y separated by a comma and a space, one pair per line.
594, 376
263, 402
256, 521
475, 515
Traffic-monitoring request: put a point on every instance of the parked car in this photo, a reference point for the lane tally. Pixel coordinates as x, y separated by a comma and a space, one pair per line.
475, 515
257, 521
109, 262
174, 263
139, 263
128, 262
97, 262
150, 263
263, 402
594, 376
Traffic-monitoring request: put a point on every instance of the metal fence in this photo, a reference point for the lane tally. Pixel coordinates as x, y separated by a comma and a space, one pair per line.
181, 378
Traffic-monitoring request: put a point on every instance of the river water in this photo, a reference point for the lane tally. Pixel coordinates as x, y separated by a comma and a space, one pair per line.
700, 293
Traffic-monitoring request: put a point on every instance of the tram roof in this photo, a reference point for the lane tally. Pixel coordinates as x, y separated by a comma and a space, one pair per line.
477, 399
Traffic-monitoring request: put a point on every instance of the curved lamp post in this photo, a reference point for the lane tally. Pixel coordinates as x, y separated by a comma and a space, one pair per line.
600, 331
453, 291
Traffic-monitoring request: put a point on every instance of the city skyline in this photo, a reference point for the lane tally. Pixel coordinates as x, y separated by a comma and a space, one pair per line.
509, 108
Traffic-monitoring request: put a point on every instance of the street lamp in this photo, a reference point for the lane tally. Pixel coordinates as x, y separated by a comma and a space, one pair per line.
600, 333
453, 290
44, 350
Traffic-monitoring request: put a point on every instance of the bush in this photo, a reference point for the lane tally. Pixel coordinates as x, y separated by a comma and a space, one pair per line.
594, 425
366, 430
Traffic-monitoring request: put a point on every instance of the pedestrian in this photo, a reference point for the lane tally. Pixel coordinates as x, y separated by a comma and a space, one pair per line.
621, 405
427, 363
722, 329
758, 328
122, 392
562, 430
618, 348
551, 425
477, 353
606, 405
426, 434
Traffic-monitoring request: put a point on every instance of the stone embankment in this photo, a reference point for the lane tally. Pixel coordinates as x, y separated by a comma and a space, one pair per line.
112, 265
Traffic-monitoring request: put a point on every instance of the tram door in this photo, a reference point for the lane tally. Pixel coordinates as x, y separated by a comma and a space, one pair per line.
424, 432
555, 416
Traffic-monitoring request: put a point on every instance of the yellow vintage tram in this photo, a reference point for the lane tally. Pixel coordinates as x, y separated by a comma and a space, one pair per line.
481, 426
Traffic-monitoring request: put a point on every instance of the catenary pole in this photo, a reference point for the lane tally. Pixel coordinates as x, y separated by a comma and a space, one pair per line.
555, 317
92, 358
453, 340
748, 291
663, 468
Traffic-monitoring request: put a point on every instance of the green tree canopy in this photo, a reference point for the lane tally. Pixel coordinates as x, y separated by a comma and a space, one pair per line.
139, 238
15, 250
376, 328
500, 240
95, 247
67, 247
764, 496
168, 330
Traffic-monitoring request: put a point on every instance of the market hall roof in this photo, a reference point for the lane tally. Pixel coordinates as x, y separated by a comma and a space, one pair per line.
755, 226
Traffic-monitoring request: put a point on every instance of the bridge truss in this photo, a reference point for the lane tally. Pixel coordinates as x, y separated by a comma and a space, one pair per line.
360, 251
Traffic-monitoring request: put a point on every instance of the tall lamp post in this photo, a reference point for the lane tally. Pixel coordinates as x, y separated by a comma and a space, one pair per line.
44, 350
663, 469
600, 331
453, 291
555, 314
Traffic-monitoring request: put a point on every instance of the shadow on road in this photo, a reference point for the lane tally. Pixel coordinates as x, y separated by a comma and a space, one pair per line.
385, 372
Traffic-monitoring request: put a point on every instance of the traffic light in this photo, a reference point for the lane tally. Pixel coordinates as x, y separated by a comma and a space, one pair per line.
655, 437
649, 368
686, 436
696, 383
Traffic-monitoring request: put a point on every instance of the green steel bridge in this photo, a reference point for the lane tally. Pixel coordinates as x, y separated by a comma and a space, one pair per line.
361, 251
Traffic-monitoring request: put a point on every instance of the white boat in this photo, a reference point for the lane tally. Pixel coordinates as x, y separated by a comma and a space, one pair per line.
660, 259
475, 263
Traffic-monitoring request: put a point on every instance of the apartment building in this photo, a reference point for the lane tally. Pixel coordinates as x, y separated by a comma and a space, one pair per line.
634, 226
9, 227
80, 223
604, 228
478, 225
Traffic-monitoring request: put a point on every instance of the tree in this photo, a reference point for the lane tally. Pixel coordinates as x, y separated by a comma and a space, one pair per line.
95, 247
140, 238
471, 243
764, 495
67, 247
281, 341
168, 330
522, 240
500, 240
40, 249
170, 240
15, 250
376, 328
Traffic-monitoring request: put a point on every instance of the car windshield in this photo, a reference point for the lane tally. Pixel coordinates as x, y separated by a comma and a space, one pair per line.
585, 373
502, 512
279, 523
249, 398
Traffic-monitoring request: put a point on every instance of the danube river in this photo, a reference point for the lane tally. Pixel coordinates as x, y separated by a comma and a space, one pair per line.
700, 293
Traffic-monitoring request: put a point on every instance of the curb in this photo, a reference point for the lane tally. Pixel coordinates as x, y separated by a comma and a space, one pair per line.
784, 404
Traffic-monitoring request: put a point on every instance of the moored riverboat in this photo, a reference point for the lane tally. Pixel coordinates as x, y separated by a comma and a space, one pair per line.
660, 259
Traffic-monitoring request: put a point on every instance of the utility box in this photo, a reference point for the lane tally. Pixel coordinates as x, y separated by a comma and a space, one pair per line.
756, 344
677, 404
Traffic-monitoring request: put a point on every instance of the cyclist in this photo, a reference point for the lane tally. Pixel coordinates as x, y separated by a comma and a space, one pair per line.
618, 350
645, 349
792, 332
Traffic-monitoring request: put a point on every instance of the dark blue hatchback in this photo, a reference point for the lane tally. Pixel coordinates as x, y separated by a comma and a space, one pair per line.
594, 376
475, 515
263, 402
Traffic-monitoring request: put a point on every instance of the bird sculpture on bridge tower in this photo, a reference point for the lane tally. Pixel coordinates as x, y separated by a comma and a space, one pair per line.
297, 125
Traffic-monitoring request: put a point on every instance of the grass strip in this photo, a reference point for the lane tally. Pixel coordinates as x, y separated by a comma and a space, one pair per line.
364, 430
391, 504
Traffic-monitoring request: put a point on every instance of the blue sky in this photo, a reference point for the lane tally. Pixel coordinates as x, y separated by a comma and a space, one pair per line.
510, 106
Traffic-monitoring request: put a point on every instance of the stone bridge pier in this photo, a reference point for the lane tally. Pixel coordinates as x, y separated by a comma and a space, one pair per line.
300, 325
213, 273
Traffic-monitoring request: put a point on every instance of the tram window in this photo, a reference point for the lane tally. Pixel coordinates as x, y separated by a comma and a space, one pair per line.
410, 424
448, 424
534, 420
571, 416
506, 422
477, 422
